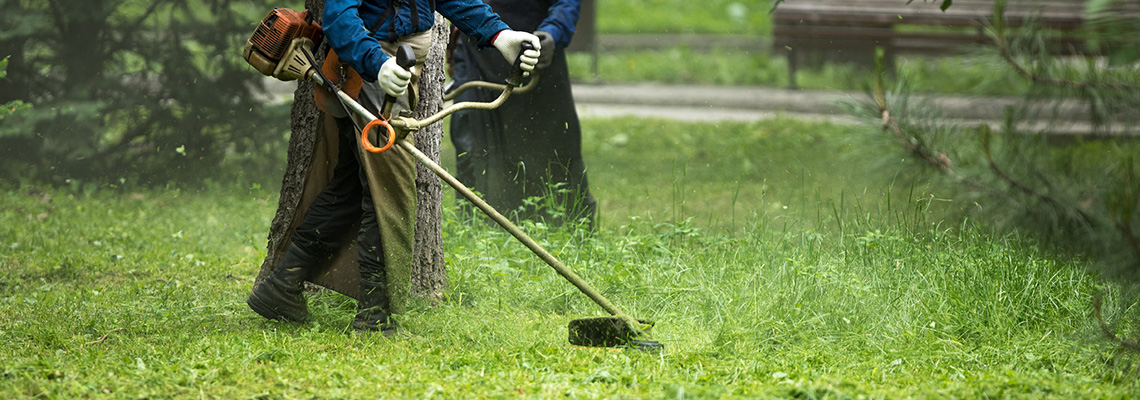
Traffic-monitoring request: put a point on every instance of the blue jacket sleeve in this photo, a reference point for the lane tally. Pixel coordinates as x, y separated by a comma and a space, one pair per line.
347, 35
473, 18
560, 21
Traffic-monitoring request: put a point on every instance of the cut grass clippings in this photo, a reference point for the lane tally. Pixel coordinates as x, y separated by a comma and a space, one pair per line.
139, 294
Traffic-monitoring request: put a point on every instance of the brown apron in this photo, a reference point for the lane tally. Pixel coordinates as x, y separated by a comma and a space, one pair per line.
391, 179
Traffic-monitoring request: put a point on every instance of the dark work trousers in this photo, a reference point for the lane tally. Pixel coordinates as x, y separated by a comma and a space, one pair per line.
344, 202
530, 147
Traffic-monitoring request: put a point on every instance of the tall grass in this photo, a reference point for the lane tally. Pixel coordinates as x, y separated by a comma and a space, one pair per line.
786, 172
859, 289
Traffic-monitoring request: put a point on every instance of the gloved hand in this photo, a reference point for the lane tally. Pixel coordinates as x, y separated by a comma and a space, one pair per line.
393, 78
508, 42
545, 57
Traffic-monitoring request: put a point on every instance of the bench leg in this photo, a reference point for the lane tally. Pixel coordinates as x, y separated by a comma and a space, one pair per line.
792, 57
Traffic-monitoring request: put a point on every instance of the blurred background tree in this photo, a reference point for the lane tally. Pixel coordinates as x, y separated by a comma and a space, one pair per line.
140, 91
12, 105
1079, 192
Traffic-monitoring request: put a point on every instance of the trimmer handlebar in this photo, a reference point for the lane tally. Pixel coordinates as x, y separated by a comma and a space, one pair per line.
300, 64
515, 78
406, 59
513, 81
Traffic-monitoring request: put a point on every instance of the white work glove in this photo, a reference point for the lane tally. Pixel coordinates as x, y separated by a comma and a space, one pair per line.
545, 57
393, 78
508, 42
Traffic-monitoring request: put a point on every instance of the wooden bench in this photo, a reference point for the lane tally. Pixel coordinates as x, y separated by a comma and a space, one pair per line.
813, 31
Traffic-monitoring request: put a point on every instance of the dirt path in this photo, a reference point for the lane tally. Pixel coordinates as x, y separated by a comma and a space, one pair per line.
720, 103
734, 103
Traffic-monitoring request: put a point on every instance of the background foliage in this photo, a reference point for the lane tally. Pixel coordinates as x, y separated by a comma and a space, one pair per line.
132, 91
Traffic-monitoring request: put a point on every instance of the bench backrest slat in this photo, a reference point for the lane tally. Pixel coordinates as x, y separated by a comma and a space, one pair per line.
1056, 14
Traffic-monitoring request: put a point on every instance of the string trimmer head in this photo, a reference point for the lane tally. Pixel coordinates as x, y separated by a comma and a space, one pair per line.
612, 332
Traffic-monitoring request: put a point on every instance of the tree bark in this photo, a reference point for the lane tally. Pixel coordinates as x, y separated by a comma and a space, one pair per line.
429, 275
304, 116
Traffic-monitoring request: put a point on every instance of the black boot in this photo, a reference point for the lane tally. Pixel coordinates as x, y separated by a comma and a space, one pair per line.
372, 310
279, 296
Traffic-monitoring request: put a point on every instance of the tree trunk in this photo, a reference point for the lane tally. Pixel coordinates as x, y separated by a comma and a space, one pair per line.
429, 276
303, 120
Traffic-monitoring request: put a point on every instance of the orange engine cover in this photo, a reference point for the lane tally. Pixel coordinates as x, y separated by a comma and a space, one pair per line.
271, 40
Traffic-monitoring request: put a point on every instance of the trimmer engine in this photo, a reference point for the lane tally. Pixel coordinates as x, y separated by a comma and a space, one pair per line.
281, 46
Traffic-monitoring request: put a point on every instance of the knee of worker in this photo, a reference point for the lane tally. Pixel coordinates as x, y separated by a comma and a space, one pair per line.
315, 244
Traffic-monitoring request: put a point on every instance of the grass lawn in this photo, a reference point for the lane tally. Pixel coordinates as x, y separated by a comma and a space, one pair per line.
958, 74
679, 16
777, 260
978, 75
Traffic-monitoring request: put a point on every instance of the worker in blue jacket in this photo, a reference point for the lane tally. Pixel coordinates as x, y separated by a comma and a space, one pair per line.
530, 147
374, 194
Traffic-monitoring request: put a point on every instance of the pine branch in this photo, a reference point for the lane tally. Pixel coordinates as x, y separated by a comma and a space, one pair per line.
131, 28
913, 144
1023, 188
1001, 40
938, 160
916, 147
1123, 208
1131, 344
139, 130
1039, 79
1001, 174
1123, 224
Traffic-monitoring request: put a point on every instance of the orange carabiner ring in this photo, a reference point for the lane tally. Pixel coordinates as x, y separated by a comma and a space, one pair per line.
368, 144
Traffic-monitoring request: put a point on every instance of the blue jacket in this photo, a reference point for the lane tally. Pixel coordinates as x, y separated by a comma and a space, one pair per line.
354, 28
560, 21
556, 17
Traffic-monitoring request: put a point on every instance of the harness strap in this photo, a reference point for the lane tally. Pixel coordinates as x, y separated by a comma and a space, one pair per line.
415, 14
389, 14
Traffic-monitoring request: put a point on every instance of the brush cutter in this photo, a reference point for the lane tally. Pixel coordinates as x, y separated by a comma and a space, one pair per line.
281, 47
